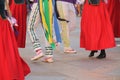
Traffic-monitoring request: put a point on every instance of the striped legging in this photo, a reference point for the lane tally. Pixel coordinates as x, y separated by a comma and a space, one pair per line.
33, 20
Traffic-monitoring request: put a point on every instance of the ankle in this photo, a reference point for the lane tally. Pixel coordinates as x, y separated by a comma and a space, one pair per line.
48, 59
39, 51
49, 51
67, 48
102, 51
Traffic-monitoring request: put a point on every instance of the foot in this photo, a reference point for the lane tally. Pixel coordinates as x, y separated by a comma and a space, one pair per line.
70, 51
101, 56
92, 53
48, 60
38, 55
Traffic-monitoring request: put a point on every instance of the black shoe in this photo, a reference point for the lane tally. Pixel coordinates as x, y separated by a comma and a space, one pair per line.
92, 53
102, 55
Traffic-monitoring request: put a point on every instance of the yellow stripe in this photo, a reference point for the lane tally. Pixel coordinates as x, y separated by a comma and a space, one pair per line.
42, 15
50, 12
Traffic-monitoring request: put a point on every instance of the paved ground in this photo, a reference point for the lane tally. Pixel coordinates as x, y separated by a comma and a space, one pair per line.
73, 66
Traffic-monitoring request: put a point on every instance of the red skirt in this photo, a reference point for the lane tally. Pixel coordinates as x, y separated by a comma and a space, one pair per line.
19, 11
96, 29
12, 66
114, 11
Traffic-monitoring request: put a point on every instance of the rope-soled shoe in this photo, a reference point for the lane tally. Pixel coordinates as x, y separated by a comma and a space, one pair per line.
39, 54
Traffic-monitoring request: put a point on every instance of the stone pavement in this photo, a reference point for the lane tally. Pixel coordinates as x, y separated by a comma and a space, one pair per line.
73, 66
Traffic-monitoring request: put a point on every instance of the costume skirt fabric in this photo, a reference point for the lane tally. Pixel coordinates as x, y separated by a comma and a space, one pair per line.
114, 11
12, 66
96, 29
19, 11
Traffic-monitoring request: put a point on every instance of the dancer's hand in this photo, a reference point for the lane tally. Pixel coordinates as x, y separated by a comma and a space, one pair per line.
106, 1
80, 1
31, 1
12, 21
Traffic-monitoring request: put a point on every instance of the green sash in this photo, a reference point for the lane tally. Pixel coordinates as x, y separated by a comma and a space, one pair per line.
45, 8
